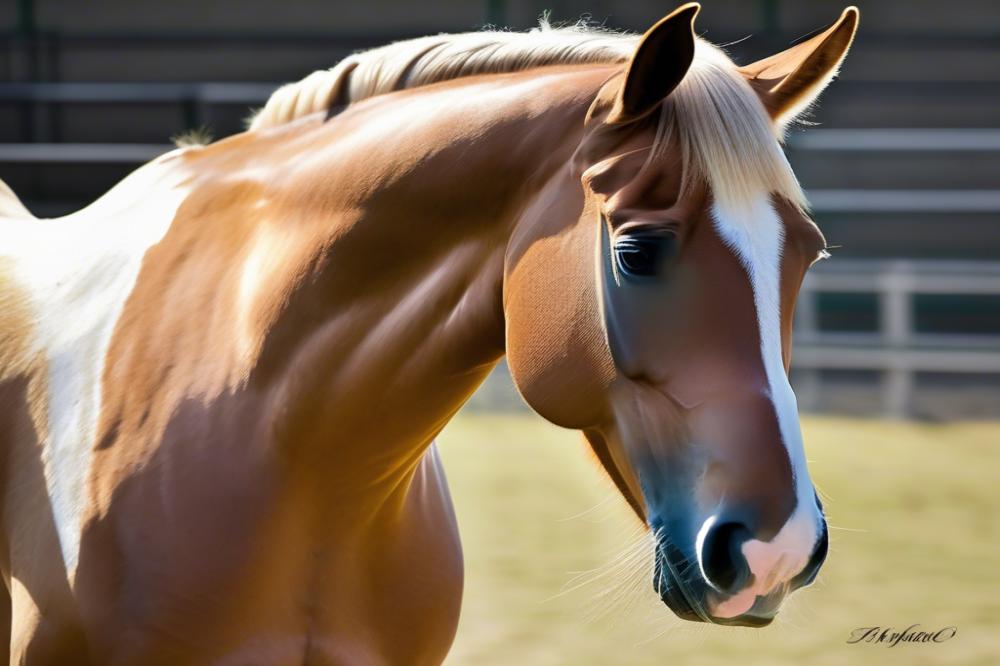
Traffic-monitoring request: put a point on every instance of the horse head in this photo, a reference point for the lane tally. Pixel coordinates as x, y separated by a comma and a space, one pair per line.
656, 315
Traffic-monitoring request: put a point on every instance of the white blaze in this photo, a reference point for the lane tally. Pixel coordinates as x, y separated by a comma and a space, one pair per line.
755, 234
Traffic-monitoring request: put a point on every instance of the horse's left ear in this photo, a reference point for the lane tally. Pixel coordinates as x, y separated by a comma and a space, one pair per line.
660, 61
790, 81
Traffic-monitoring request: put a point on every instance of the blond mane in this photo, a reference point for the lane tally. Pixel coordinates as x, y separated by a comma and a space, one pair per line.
723, 131
419, 62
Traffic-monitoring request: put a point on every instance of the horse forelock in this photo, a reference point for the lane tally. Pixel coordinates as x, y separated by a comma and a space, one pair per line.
725, 137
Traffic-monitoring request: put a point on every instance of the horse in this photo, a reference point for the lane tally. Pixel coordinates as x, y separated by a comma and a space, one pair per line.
221, 382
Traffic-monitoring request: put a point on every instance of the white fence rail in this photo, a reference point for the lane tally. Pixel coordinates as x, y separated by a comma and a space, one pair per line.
896, 349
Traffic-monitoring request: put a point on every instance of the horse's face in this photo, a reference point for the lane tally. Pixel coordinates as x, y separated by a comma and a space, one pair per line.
659, 323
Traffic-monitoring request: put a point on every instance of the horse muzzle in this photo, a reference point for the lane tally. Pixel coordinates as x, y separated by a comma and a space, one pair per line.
719, 587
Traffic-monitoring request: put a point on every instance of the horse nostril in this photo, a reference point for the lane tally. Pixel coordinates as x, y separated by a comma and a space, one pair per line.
722, 560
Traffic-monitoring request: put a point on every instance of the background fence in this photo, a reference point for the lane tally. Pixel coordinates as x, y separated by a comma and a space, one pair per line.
896, 347
904, 175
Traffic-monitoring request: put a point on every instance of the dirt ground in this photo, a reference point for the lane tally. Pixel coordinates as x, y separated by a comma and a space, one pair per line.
914, 541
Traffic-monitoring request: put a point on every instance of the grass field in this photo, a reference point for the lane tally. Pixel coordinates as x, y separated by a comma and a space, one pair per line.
914, 509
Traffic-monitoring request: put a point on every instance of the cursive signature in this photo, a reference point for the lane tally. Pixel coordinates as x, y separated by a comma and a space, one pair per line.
891, 637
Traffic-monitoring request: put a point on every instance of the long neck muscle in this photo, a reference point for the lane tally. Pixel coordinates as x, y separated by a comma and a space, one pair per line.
387, 329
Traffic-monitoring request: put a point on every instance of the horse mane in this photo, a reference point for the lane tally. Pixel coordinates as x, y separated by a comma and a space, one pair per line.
418, 62
724, 133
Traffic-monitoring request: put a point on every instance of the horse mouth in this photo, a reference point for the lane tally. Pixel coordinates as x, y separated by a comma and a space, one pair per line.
688, 601
678, 597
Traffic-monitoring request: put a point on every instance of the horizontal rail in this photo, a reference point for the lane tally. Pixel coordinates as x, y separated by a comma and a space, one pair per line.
213, 38
913, 276
917, 342
892, 139
847, 357
210, 93
905, 201
81, 153
923, 266
942, 38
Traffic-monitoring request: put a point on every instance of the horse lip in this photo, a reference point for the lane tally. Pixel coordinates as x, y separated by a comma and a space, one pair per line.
676, 600
680, 600
673, 593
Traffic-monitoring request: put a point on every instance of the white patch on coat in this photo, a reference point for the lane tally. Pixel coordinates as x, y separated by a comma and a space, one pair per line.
78, 271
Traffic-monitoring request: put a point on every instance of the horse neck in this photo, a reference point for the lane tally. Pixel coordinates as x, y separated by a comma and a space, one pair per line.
401, 318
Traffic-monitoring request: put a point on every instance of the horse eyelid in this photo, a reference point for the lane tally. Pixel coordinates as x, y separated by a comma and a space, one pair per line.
637, 228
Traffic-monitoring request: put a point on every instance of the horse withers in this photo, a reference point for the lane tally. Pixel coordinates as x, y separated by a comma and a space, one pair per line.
221, 382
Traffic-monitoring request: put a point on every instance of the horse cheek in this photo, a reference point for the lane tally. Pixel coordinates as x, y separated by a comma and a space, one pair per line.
556, 346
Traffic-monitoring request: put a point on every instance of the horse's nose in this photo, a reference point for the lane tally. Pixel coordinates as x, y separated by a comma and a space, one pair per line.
745, 570
720, 554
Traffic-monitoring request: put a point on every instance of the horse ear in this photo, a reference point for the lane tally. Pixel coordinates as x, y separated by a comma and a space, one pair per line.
659, 63
788, 82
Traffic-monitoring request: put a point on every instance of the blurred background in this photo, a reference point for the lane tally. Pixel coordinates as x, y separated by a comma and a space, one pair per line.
897, 343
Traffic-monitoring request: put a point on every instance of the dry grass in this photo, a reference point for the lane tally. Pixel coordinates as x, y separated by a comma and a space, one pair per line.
918, 504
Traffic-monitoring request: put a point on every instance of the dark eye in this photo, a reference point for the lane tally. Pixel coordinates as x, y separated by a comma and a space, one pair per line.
644, 254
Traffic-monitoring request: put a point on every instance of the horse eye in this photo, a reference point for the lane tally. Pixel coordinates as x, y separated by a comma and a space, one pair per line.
644, 255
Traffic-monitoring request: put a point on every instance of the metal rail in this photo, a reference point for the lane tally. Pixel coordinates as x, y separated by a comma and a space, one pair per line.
895, 139
129, 93
81, 153
896, 349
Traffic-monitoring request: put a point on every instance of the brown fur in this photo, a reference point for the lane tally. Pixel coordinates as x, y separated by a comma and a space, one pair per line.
327, 296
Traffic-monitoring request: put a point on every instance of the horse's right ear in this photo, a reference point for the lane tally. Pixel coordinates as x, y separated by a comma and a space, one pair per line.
659, 63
